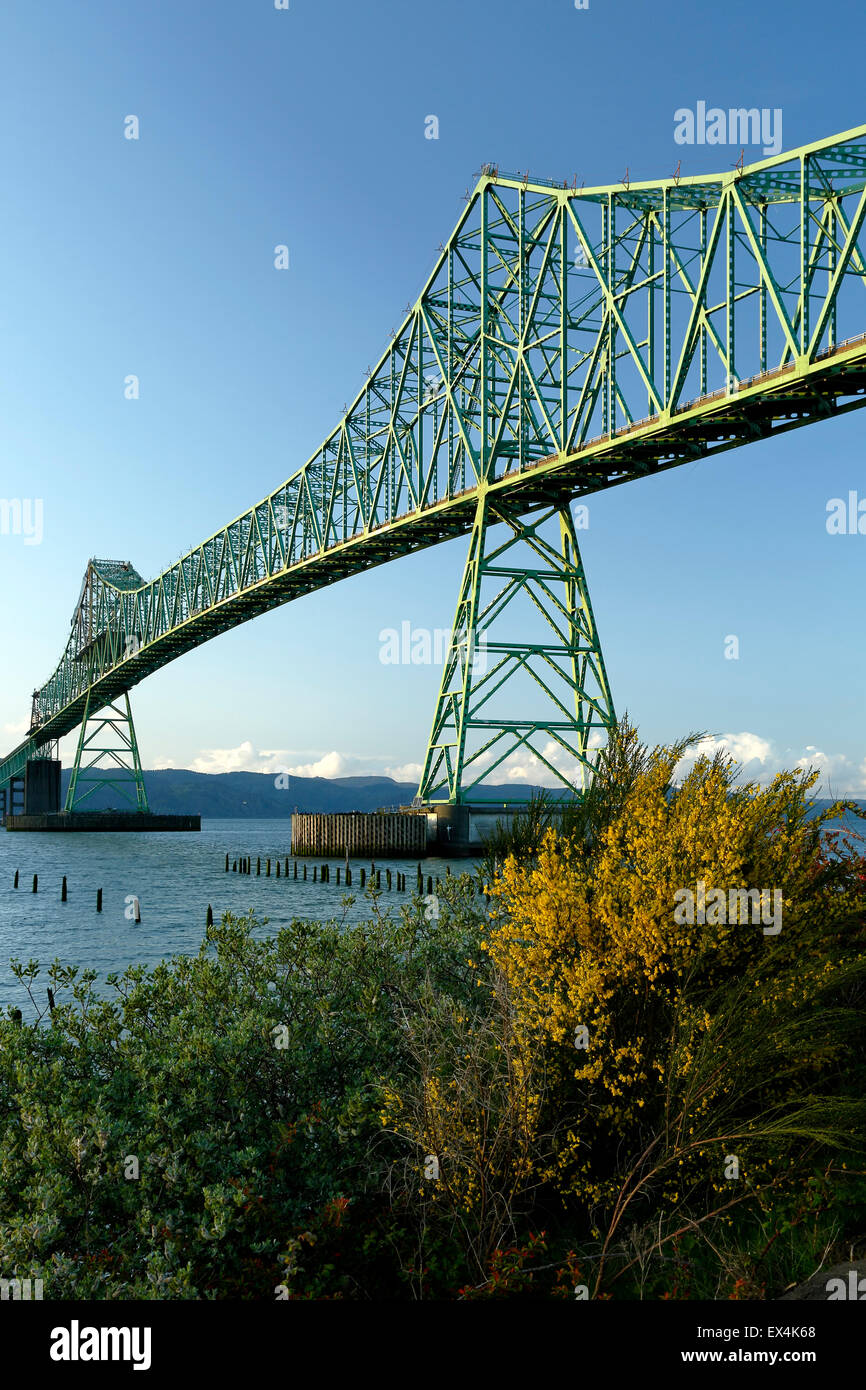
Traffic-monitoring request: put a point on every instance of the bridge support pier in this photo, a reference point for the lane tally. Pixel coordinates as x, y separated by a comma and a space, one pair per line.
12, 798
493, 670
107, 756
42, 786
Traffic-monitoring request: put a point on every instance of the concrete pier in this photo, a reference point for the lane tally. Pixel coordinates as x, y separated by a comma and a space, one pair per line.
461, 831
34, 792
360, 834
42, 786
438, 828
101, 820
449, 830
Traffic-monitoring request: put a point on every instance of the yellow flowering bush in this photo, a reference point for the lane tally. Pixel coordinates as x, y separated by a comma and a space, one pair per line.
668, 999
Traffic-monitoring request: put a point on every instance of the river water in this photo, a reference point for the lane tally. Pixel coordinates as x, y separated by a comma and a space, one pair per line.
175, 876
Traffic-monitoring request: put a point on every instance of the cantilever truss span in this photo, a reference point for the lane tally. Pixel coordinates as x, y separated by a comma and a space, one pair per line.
568, 340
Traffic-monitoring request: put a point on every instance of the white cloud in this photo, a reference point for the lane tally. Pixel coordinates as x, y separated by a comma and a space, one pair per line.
521, 766
838, 777
306, 763
753, 753
331, 764
240, 759
519, 772
407, 772
758, 757
760, 760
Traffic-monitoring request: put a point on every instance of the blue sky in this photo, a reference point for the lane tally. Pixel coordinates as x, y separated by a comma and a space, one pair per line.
306, 127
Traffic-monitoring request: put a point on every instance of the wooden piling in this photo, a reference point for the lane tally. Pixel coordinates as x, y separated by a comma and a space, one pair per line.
227, 863
296, 868
278, 868
99, 900
35, 883
63, 890
363, 877
15, 884
358, 834
209, 919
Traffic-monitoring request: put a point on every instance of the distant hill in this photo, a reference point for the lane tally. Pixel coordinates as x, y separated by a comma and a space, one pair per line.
253, 795
235, 795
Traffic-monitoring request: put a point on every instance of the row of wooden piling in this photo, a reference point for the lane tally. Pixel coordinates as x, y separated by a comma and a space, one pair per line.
243, 864
64, 891
321, 874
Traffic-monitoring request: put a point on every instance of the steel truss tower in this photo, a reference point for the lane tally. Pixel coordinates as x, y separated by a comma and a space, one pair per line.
500, 647
107, 756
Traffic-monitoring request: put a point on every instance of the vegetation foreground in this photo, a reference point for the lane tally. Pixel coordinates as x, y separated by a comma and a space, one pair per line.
559, 1088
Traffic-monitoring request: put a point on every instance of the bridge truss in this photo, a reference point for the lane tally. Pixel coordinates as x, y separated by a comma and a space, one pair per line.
568, 340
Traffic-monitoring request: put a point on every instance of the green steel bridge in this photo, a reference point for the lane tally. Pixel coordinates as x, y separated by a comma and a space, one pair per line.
567, 340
